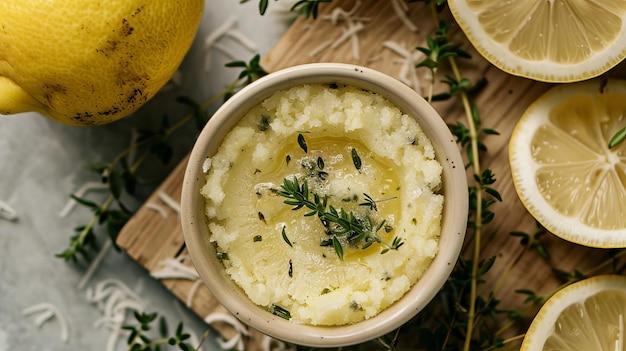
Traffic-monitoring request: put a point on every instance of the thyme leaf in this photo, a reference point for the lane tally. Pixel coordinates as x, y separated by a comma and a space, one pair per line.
618, 138
284, 234
280, 311
356, 159
302, 143
369, 202
320, 163
304, 8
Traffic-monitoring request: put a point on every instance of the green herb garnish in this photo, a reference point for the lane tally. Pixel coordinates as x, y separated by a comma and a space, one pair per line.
356, 159
264, 123
320, 163
302, 143
337, 246
369, 202
280, 312
144, 336
618, 138
339, 224
304, 8
284, 234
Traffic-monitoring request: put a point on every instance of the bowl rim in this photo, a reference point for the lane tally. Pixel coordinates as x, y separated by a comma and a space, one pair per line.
454, 179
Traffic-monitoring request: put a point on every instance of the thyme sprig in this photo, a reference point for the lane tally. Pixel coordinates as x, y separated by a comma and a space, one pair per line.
304, 8
438, 48
142, 336
122, 177
356, 230
479, 215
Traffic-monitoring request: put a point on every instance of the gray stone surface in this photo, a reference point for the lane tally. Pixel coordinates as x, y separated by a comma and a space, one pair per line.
42, 162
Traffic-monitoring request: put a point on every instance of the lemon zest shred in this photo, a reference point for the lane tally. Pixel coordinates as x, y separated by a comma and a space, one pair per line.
400, 8
44, 312
7, 212
241, 331
169, 201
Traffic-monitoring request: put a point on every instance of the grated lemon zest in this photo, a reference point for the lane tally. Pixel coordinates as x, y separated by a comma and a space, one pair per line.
7, 212
169, 201
174, 268
114, 300
400, 8
354, 25
408, 60
241, 331
93, 266
157, 208
45, 311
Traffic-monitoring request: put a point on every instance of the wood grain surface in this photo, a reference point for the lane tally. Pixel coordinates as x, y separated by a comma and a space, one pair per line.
149, 238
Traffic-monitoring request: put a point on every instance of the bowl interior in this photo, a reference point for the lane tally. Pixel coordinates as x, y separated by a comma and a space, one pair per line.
203, 253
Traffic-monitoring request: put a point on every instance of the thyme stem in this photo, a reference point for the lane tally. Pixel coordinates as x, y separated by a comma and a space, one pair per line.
506, 341
80, 241
431, 86
202, 108
475, 162
590, 272
174, 127
605, 263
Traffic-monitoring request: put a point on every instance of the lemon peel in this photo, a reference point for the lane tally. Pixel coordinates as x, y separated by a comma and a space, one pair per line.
90, 62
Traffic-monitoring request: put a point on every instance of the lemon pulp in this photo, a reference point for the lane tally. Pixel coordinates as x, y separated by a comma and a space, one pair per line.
577, 174
562, 168
587, 315
554, 40
558, 31
597, 323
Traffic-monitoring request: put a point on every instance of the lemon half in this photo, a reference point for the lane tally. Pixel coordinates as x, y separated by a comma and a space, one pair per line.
584, 316
562, 168
546, 40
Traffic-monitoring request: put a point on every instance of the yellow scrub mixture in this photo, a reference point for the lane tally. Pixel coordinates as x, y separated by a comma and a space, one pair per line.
325, 204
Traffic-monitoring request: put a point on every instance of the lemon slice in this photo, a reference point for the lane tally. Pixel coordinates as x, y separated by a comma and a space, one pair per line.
587, 315
546, 40
562, 168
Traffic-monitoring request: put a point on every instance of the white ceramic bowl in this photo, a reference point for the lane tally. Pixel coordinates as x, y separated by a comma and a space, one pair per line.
203, 252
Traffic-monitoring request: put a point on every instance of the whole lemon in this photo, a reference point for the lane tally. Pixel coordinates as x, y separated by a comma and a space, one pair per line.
90, 62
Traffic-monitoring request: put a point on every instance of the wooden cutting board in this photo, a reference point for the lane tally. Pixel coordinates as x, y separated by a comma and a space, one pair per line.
151, 238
